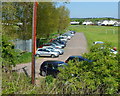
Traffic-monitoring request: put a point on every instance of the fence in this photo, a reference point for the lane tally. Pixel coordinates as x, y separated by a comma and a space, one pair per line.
24, 45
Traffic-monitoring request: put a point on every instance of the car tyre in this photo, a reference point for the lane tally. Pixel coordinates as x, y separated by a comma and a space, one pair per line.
52, 55
43, 73
37, 55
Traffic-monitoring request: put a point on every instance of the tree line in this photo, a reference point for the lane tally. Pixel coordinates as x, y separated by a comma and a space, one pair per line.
17, 19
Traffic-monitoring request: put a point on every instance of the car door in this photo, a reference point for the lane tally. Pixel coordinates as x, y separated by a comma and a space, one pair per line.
44, 52
49, 69
40, 52
47, 52
52, 69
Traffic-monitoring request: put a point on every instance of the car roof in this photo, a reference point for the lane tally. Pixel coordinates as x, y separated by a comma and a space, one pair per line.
75, 57
55, 62
98, 42
81, 58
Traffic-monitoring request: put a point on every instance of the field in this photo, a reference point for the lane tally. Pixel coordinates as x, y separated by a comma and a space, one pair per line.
98, 33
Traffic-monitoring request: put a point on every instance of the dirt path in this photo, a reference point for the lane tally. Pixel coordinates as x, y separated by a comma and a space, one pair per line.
76, 46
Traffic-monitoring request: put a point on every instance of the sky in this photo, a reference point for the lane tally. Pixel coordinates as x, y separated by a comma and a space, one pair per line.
93, 9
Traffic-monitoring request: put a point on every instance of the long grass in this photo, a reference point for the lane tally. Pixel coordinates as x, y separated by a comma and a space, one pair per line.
98, 33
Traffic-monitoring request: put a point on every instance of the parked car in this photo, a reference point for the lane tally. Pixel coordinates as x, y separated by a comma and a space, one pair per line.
78, 58
62, 39
69, 34
72, 32
60, 42
46, 52
52, 44
50, 67
98, 42
56, 45
61, 51
66, 36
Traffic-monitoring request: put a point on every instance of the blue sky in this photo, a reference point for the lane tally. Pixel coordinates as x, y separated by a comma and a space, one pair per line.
93, 9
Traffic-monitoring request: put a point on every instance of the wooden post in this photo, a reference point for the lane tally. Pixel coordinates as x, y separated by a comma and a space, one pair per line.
34, 42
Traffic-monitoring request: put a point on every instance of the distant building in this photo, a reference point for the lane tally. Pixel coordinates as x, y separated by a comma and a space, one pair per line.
106, 22
87, 23
74, 23
117, 23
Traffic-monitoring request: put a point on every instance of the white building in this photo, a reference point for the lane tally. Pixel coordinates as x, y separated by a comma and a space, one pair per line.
112, 22
105, 23
74, 23
87, 23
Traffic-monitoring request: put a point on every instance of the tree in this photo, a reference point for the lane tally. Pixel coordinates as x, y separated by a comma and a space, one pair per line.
46, 19
64, 20
8, 19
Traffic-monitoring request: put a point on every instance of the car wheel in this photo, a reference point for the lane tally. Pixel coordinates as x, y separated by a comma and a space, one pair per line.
37, 55
52, 55
43, 73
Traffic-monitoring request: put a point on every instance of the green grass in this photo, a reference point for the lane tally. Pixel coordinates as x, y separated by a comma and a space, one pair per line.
24, 58
98, 33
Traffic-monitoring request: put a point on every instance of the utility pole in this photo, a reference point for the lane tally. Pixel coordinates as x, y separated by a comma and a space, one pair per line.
34, 42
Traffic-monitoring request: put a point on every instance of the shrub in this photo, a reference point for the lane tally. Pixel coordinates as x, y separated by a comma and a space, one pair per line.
97, 77
9, 55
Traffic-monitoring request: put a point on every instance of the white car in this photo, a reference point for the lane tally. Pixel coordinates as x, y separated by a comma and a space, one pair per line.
98, 42
66, 36
55, 49
46, 52
62, 39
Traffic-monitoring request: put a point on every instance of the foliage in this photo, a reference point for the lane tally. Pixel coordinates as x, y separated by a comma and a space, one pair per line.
24, 57
14, 83
8, 19
50, 19
18, 21
9, 55
63, 20
98, 77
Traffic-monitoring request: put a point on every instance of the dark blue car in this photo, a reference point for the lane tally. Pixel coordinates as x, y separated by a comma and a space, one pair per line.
78, 58
50, 67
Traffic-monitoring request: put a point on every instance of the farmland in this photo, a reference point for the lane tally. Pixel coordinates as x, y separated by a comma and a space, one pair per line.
98, 33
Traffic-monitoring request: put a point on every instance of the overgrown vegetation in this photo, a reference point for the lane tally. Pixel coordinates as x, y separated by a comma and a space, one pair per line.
98, 77
11, 56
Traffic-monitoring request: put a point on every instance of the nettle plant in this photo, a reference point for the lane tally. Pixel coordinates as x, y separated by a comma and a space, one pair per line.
98, 77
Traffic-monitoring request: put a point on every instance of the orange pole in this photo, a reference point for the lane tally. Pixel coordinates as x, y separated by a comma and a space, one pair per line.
34, 42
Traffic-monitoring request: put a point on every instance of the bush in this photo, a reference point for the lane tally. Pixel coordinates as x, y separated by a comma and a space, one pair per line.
98, 77
9, 55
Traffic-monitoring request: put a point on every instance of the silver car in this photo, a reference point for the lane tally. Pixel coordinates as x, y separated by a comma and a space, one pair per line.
46, 52
61, 51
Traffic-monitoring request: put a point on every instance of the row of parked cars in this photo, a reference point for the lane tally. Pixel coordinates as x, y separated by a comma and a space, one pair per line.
50, 67
55, 47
